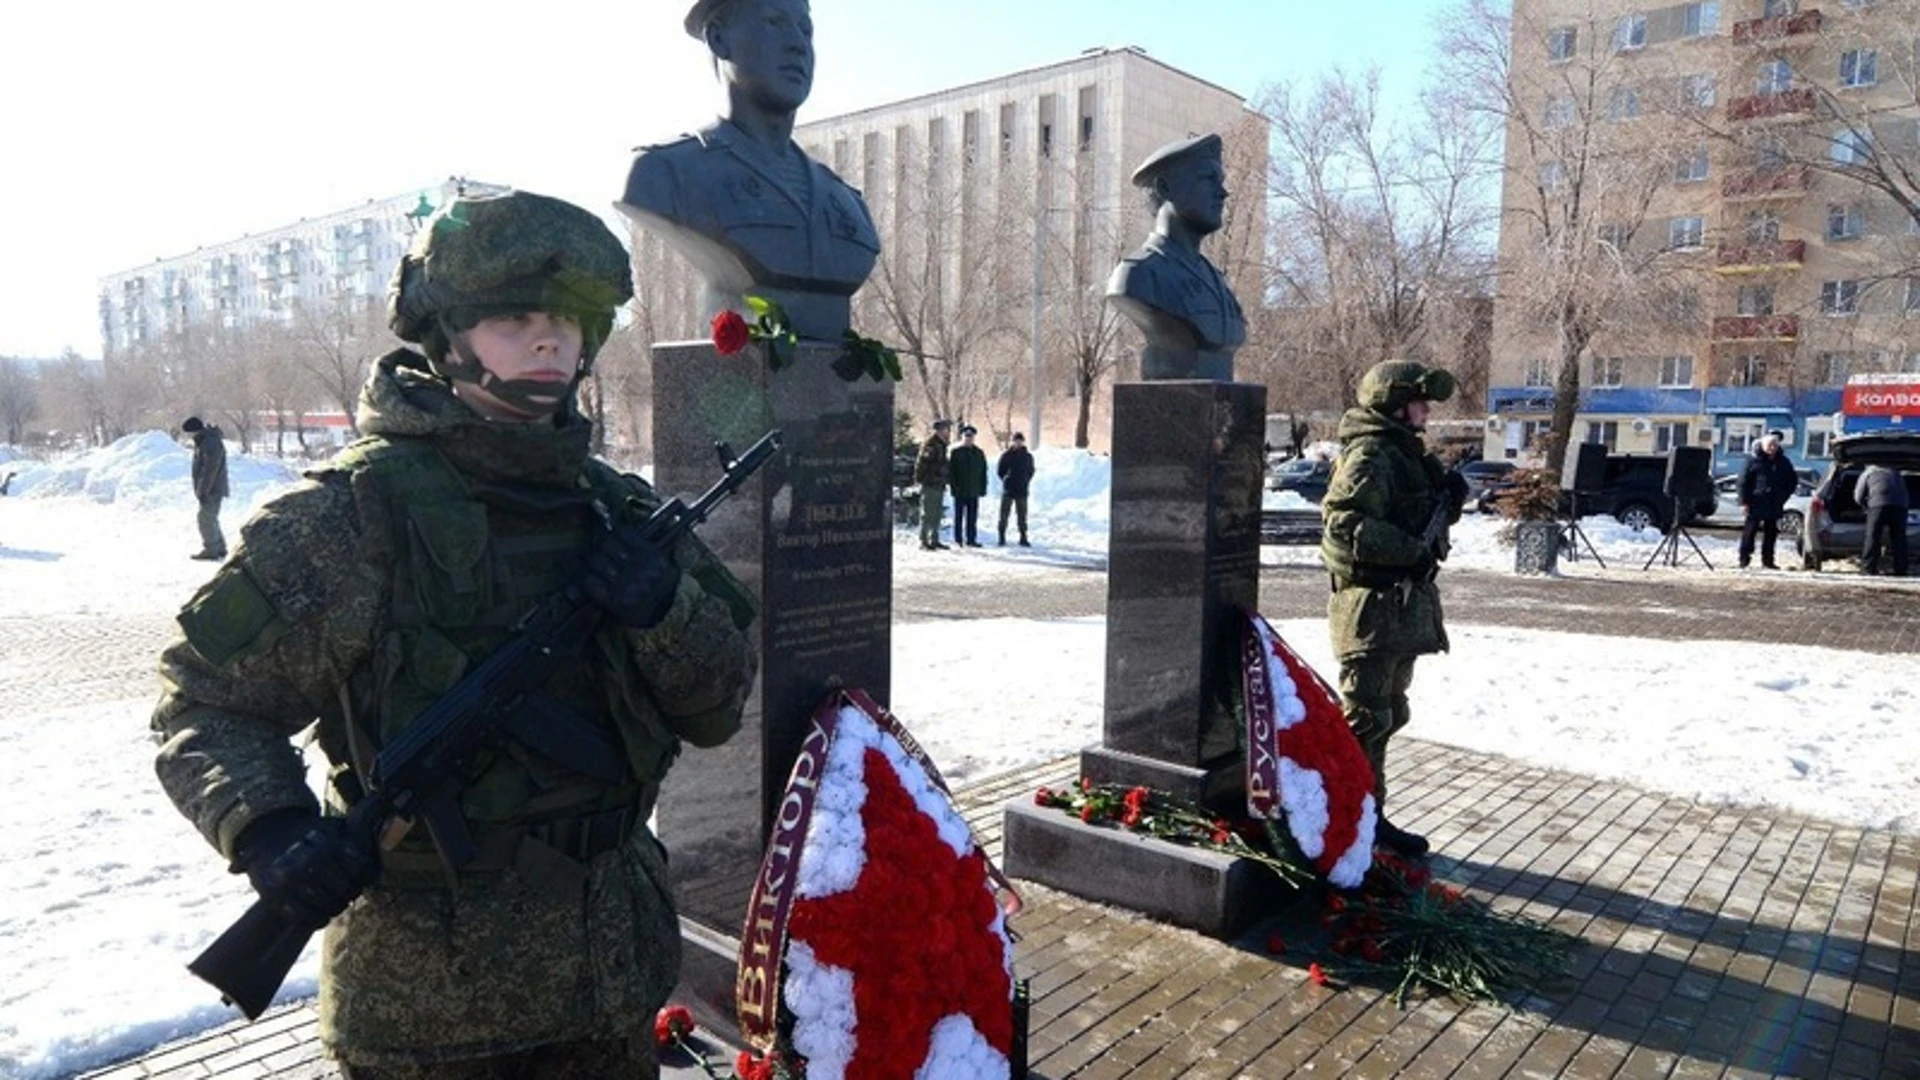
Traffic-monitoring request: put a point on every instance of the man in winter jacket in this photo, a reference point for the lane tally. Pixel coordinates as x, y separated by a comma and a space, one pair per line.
362, 595
1385, 610
1882, 493
209, 484
967, 479
1765, 487
930, 472
1015, 469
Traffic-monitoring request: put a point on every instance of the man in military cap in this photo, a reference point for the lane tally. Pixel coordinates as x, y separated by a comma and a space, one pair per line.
1178, 299
967, 480
739, 198
1385, 610
360, 596
930, 472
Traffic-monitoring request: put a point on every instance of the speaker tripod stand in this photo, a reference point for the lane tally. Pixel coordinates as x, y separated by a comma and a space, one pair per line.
1670, 543
1573, 536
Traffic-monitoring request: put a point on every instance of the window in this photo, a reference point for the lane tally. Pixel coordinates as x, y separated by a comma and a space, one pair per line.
1698, 91
1535, 433
1763, 227
1089, 99
1773, 9
1819, 441
1609, 371
1742, 434
1006, 132
1676, 372
1845, 222
1770, 154
1678, 306
1552, 175
1538, 373
1623, 103
1604, 433
1776, 77
1559, 113
1668, 435
1840, 297
1560, 43
1614, 236
1838, 366
1852, 147
1691, 169
1913, 296
1756, 300
1858, 67
1086, 134
1701, 19
1748, 370
1630, 33
1686, 233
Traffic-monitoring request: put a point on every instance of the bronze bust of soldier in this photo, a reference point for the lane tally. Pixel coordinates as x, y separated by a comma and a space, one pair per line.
743, 203
1179, 300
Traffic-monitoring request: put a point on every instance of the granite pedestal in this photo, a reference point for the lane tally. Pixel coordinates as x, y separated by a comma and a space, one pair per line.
811, 538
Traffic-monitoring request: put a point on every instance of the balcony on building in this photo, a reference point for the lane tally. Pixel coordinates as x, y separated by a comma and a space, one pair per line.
1755, 258
1793, 102
1777, 29
1786, 181
1756, 328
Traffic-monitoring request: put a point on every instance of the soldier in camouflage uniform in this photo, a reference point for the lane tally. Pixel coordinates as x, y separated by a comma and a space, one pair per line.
1385, 610
359, 596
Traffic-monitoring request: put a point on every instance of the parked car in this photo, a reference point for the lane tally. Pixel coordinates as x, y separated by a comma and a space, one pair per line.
1481, 476
1632, 491
1305, 477
1727, 513
1836, 524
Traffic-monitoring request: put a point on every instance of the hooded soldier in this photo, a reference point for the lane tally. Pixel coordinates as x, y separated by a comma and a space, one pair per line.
1385, 609
359, 597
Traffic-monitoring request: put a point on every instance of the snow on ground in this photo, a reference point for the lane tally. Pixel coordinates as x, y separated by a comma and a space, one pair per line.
109, 892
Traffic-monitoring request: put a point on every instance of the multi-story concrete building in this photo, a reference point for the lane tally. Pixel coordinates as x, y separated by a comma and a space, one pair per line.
1755, 275
1029, 172
346, 255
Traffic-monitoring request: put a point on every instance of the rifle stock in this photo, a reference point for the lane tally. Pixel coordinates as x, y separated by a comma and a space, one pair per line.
249, 961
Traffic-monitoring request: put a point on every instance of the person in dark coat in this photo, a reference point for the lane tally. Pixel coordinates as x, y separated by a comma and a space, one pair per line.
930, 472
1015, 469
1770, 480
967, 476
1882, 493
209, 484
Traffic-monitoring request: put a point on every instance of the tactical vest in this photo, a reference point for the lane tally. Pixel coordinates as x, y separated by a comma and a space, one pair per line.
466, 559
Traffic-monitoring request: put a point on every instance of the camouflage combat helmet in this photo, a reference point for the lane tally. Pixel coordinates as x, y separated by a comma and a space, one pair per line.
1391, 385
485, 255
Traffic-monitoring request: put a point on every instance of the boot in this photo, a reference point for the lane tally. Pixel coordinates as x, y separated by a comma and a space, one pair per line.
1401, 842
1023, 541
1003, 538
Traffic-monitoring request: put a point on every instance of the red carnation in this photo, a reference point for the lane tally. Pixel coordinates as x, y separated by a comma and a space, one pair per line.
1131, 819
730, 333
1136, 799
1043, 797
1317, 973
671, 1024
1086, 813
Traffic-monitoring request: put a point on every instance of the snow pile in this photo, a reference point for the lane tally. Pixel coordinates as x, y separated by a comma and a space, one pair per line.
149, 471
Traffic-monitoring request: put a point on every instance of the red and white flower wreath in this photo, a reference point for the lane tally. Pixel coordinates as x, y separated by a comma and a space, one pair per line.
1303, 762
897, 958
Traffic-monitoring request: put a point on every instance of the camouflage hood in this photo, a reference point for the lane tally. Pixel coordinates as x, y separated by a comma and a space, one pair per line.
404, 399
1366, 423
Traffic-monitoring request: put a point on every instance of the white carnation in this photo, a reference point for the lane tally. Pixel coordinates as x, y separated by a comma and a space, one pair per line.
960, 1052
820, 997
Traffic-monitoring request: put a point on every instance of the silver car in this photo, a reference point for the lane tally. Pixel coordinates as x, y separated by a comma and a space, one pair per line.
1728, 515
1836, 524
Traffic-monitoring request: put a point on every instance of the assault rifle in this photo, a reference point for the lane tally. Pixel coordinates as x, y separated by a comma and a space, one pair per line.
416, 776
1436, 527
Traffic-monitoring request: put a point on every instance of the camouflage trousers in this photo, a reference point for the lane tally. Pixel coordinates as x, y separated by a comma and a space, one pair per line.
607, 1059
1373, 693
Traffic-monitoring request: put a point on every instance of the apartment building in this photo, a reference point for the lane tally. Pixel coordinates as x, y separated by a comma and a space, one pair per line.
1018, 187
1698, 157
342, 256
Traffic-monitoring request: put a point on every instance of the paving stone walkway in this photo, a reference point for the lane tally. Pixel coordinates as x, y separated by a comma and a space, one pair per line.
1720, 941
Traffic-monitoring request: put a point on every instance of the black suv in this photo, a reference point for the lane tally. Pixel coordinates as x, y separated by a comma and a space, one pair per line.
1634, 492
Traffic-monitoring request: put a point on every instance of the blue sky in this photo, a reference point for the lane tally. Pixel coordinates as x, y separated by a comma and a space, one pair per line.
139, 130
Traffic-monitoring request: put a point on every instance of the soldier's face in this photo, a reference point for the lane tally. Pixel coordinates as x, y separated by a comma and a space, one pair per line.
1198, 191
530, 361
1417, 414
765, 47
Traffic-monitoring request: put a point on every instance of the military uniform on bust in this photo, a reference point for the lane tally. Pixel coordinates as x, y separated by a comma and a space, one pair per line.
360, 596
1384, 613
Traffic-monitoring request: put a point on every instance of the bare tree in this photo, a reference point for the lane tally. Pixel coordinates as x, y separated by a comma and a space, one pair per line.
1082, 332
332, 342
19, 398
76, 391
1583, 253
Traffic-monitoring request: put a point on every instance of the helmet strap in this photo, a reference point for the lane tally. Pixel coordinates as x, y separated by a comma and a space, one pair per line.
523, 395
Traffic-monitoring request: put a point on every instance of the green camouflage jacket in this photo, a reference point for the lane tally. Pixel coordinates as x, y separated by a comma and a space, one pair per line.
306, 623
1377, 505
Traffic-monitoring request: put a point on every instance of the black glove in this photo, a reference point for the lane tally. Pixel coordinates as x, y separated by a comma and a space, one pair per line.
1456, 493
1427, 567
629, 577
1441, 547
312, 867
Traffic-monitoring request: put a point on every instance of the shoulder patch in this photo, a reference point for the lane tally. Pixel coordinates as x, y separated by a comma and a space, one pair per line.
230, 615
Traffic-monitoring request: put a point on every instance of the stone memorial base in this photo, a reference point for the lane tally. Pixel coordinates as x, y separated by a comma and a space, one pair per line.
1204, 891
